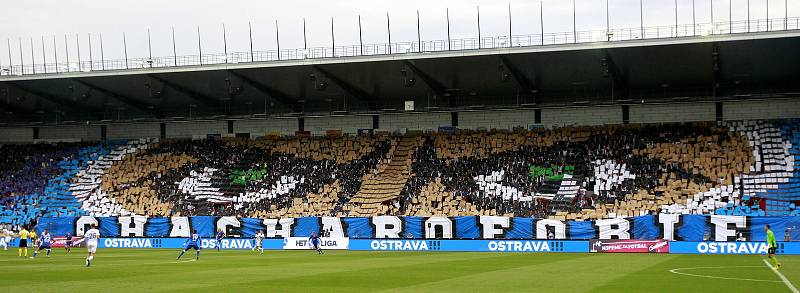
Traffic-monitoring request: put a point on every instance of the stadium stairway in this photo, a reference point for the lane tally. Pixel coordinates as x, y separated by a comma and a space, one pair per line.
386, 185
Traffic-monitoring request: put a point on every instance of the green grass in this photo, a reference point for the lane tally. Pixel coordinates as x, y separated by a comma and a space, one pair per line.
124, 270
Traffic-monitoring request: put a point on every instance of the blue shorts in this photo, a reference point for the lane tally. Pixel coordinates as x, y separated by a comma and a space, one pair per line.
44, 246
315, 243
68, 243
190, 246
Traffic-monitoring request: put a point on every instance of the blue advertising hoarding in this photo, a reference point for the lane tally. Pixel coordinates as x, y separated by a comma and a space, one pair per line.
470, 245
206, 243
748, 247
477, 245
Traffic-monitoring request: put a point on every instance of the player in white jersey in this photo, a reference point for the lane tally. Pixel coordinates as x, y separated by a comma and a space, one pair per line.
259, 240
5, 238
44, 243
92, 239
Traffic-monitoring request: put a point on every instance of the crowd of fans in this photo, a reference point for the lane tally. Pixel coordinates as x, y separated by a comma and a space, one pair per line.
588, 168
153, 177
25, 168
24, 172
458, 159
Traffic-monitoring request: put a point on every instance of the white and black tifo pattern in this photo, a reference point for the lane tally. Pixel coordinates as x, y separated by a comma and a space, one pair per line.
279, 188
492, 185
198, 186
773, 165
608, 174
87, 186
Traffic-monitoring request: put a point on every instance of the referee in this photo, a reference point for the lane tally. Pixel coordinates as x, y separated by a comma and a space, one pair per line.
32, 237
23, 241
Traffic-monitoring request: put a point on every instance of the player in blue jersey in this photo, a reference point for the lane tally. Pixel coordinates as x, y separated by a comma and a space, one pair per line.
68, 242
44, 243
194, 243
220, 235
314, 240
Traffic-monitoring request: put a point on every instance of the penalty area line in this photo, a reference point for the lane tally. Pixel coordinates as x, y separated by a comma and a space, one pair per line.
176, 261
183, 261
785, 281
678, 272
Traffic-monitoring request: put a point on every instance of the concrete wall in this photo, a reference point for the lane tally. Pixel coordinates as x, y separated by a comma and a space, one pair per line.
582, 116
688, 112
507, 119
188, 129
414, 121
261, 127
771, 109
348, 124
70, 132
133, 130
496, 119
16, 134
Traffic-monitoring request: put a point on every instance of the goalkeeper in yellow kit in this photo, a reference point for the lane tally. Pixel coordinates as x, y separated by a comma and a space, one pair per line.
772, 246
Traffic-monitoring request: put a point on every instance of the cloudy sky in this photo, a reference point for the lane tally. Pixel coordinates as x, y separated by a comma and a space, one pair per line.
56, 18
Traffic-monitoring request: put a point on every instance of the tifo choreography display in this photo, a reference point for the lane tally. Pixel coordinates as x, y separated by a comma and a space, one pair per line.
570, 173
662, 187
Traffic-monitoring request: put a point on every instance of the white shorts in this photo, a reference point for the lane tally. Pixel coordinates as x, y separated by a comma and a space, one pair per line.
91, 247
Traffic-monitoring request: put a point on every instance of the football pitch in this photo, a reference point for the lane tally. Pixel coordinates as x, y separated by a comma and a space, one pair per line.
156, 270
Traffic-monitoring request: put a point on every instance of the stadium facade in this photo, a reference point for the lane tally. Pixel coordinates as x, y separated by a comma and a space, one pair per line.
568, 132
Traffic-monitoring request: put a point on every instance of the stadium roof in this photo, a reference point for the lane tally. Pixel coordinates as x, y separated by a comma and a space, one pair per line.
764, 64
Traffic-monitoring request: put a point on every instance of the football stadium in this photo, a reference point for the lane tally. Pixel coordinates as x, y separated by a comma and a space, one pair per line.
362, 146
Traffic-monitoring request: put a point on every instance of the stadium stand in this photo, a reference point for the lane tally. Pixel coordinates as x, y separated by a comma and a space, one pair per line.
564, 173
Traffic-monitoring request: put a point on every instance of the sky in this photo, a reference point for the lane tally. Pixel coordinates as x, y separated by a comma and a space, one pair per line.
75, 20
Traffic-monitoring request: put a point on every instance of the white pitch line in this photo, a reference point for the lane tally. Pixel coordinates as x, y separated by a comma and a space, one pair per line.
183, 261
161, 263
676, 271
785, 281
